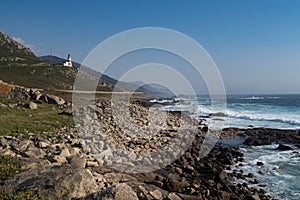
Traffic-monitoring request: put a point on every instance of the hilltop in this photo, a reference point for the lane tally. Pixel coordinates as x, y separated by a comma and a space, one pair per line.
15, 53
19, 65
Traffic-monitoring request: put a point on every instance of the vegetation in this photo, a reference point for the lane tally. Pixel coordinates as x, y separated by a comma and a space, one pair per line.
19, 196
20, 120
49, 78
14, 53
9, 166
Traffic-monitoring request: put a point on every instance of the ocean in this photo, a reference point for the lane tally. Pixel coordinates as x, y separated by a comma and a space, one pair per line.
280, 174
269, 111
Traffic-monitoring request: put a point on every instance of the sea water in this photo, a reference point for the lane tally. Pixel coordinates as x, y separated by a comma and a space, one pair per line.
269, 111
281, 170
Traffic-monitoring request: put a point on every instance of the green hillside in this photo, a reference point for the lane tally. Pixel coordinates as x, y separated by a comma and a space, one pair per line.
20, 66
13, 53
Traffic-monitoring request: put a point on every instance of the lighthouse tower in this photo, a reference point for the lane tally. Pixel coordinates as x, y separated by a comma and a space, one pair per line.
68, 63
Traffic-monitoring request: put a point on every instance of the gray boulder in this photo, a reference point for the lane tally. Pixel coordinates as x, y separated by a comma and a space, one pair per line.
121, 191
54, 182
52, 99
32, 106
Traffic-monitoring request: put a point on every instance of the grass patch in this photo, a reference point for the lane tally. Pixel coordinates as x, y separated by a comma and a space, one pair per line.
20, 196
16, 121
44, 77
9, 166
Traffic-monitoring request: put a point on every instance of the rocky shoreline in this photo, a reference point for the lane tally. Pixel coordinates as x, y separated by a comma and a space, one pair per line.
64, 166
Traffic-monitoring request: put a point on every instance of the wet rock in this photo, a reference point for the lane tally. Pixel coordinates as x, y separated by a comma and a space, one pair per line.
218, 114
283, 147
258, 141
252, 197
259, 163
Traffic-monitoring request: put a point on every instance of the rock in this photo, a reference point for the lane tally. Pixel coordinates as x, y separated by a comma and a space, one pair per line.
173, 196
74, 151
78, 161
52, 99
54, 182
92, 164
252, 197
204, 129
132, 156
30, 166
57, 159
23, 145
258, 141
259, 163
174, 183
7, 152
121, 191
65, 152
218, 114
222, 175
32, 106
282, 147
43, 144
36, 95
19, 93
34, 152
156, 194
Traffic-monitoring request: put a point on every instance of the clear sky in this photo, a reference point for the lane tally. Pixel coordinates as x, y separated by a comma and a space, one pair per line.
255, 43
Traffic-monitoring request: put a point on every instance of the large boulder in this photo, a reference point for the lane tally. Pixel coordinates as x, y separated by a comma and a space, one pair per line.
13, 91
283, 147
258, 141
32, 105
19, 93
54, 182
52, 99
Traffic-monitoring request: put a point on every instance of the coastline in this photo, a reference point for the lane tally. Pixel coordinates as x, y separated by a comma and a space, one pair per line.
189, 177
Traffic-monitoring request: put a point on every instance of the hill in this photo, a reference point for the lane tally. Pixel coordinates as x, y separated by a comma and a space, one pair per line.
20, 66
13, 53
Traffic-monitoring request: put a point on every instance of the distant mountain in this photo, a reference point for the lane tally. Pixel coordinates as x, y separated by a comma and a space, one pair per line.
54, 60
155, 89
13, 53
150, 89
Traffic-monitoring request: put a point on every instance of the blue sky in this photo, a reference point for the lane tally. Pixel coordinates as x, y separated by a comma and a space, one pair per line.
255, 44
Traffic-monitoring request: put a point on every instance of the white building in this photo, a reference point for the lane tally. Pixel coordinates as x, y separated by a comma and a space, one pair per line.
68, 63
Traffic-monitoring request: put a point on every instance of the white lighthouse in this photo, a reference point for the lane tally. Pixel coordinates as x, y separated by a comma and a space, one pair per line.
68, 63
